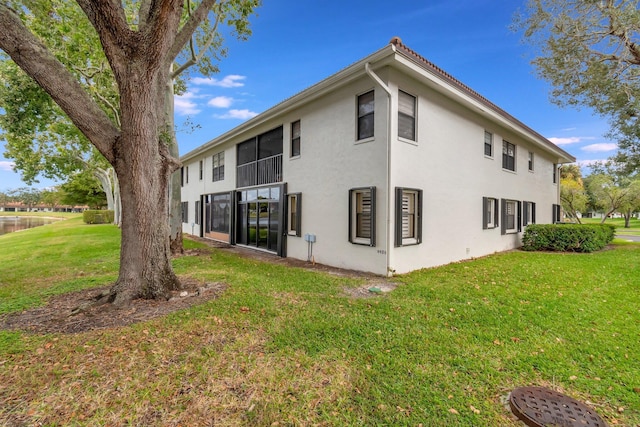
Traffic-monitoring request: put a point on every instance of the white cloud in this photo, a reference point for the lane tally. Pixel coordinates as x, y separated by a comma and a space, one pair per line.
588, 163
567, 140
232, 80
220, 102
237, 114
183, 106
6, 166
605, 146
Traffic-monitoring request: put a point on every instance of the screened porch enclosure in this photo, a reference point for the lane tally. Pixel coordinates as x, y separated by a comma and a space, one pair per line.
260, 159
260, 219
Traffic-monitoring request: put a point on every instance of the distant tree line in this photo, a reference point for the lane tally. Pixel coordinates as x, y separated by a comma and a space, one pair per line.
609, 189
79, 190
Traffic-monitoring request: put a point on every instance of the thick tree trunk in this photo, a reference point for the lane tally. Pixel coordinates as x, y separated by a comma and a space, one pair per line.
143, 168
175, 190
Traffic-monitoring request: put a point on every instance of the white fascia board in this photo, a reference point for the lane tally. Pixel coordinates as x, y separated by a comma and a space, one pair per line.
452, 91
308, 95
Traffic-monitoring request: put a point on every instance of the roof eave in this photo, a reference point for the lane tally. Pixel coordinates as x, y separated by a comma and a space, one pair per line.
308, 95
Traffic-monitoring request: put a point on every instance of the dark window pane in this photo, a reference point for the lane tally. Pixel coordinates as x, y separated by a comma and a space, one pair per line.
365, 126
247, 152
270, 143
365, 115
406, 127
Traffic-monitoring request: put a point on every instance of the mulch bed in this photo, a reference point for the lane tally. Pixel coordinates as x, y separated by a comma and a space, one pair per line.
57, 316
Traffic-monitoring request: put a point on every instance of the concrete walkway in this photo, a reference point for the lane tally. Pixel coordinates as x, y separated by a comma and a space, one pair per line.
628, 238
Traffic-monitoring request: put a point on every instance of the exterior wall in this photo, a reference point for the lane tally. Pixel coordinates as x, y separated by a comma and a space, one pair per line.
448, 163
331, 163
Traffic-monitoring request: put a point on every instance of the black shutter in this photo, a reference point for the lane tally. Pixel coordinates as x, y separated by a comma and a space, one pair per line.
299, 215
419, 218
503, 215
351, 213
525, 213
496, 209
485, 200
519, 218
373, 216
398, 219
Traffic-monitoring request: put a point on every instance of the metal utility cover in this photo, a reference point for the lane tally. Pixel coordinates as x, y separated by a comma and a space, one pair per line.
541, 407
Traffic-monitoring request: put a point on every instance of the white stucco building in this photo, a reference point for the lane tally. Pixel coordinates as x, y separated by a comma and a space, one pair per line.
387, 166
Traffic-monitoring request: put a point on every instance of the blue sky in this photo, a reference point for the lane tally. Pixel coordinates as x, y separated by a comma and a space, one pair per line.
297, 43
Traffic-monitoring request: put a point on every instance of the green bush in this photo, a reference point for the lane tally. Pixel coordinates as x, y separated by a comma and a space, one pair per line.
567, 237
97, 217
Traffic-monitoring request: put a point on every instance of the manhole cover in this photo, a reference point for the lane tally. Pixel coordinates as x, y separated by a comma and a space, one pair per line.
541, 407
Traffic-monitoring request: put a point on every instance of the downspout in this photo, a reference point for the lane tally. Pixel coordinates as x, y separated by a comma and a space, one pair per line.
386, 88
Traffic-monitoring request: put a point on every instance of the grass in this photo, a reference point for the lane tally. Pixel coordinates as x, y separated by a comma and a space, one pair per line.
286, 346
633, 230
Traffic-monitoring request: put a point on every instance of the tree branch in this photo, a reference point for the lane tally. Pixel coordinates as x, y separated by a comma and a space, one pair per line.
187, 30
37, 62
203, 50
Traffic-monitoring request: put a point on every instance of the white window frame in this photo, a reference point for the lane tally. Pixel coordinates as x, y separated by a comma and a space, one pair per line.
362, 207
408, 217
294, 209
528, 213
490, 213
488, 142
362, 112
506, 145
407, 110
217, 166
516, 207
295, 138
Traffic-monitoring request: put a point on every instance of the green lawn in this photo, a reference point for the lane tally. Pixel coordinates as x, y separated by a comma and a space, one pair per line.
287, 346
633, 230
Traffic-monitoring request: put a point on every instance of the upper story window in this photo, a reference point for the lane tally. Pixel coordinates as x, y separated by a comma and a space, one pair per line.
295, 139
365, 115
406, 116
218, 166
182, 176
508, 156
488, 144
555, 173
531, 161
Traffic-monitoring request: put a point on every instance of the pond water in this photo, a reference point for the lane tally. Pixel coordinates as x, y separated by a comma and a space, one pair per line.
9, 224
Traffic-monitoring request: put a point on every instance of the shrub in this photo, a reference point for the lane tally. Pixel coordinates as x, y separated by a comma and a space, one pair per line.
97, 217
567, 237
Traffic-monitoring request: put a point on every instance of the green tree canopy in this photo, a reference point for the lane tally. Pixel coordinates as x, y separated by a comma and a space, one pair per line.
590, 53
141, 50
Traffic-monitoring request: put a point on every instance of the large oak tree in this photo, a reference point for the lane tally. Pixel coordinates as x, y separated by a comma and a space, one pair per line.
140, 53
589, 50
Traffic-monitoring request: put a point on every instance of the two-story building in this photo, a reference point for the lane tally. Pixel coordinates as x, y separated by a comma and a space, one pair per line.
387, 166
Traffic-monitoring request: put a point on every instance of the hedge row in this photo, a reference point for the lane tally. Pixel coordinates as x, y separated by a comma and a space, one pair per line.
97, 217
567, 237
